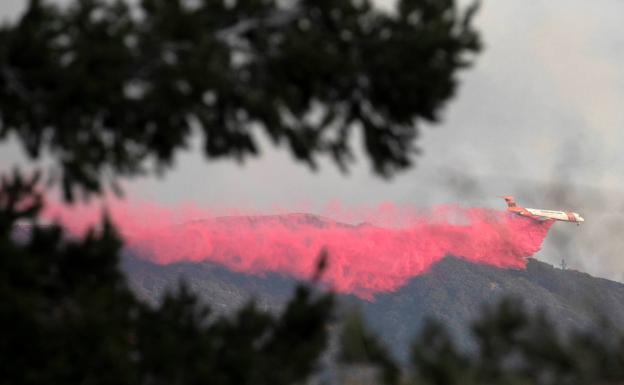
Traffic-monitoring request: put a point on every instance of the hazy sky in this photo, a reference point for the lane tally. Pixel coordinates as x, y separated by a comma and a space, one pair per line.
540, 116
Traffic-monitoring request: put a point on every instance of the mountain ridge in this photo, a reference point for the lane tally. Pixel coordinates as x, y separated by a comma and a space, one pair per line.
454, 292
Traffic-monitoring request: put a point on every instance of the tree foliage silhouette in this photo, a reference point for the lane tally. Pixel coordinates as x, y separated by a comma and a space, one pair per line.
69, 317
103, 86
512, 345
518, 346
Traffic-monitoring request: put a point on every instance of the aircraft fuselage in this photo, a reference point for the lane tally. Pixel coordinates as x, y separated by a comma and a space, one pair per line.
543, 215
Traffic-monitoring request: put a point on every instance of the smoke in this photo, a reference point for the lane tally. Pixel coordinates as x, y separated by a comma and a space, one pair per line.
364, 259
595, 247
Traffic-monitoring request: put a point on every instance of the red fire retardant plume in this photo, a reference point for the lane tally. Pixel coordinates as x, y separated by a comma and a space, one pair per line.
363, 259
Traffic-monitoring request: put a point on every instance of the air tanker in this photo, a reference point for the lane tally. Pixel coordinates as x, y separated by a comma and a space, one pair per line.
542, 215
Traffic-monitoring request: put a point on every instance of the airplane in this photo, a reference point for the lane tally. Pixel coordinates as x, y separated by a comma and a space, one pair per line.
542, 215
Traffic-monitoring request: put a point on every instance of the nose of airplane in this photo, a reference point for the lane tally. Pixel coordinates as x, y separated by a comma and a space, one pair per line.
580, 218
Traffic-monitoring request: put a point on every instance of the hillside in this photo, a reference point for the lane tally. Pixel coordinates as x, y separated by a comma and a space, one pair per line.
453, 291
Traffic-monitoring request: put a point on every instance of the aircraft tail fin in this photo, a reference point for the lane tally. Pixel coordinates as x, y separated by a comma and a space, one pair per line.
510, 201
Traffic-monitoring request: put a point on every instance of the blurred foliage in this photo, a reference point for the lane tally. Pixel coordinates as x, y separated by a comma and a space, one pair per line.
103, 86
69, 317
360, 346
513, 346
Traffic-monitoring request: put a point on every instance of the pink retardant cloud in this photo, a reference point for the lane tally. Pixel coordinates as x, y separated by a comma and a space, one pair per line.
364, 259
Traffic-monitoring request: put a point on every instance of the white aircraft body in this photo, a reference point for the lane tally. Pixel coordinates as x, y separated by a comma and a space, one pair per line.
543, 215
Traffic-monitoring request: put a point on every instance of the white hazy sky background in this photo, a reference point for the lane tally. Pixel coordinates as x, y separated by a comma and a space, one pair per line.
539, 116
